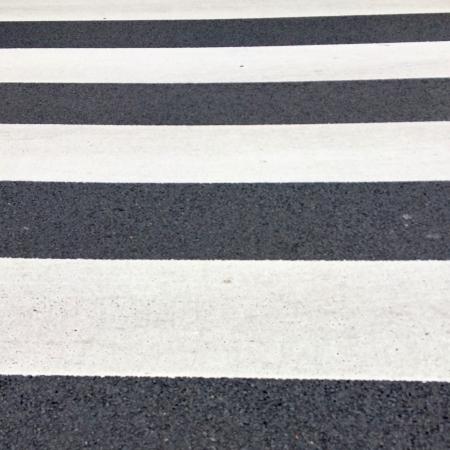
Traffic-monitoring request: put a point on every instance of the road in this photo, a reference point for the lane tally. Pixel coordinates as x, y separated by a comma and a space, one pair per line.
225, 225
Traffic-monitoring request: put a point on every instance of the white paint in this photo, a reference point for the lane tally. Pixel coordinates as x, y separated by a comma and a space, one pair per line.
207, 154
274, 319
210, 9
217, 65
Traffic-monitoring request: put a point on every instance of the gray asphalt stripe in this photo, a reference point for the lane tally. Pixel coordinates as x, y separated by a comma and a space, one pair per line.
227, 103
118, 413
226, 221
227, 33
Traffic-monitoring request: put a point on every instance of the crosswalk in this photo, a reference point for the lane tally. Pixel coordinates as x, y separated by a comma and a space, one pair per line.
225, 224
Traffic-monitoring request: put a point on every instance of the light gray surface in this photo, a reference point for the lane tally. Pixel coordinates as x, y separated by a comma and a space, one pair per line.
417, 151
249, 319
217, 65
212, 9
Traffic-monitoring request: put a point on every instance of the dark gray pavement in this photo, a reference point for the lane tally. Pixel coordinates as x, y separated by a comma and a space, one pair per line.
332, 221
363, 101
133, 413
227, 33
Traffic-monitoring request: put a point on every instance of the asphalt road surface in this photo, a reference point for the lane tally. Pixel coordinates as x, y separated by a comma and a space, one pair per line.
225, 225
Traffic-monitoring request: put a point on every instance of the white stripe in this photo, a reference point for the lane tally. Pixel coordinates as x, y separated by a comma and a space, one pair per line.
211, 9
275, 319
207, 154
215, 65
